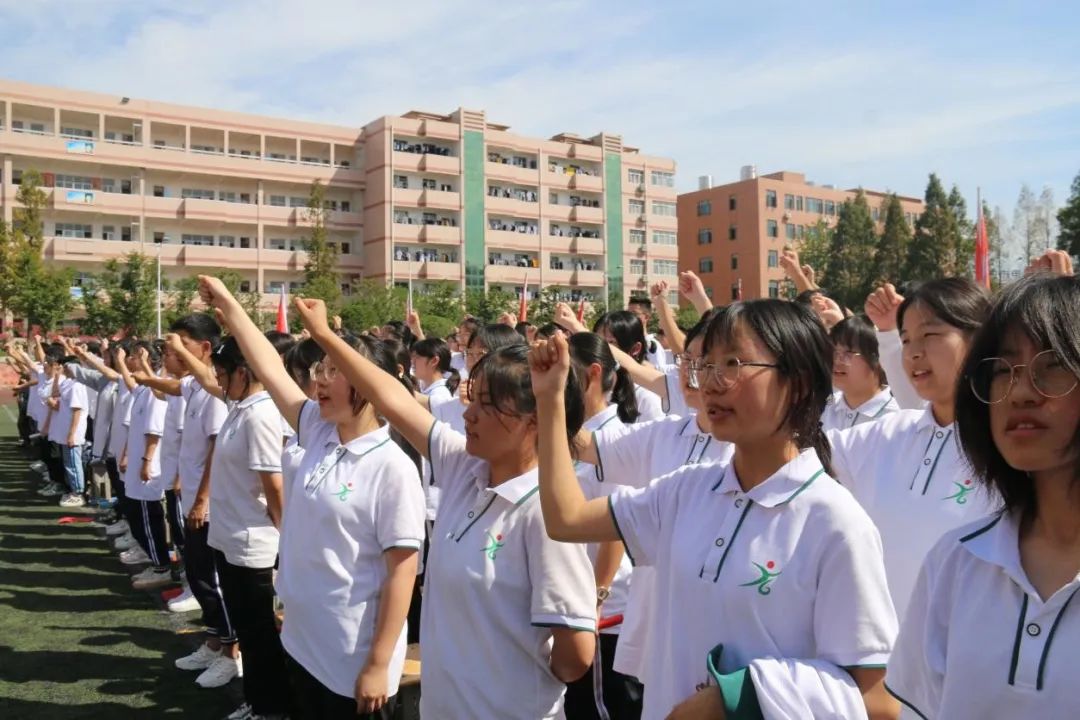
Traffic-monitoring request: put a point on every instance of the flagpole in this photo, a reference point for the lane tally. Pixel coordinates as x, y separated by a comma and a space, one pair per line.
158, 296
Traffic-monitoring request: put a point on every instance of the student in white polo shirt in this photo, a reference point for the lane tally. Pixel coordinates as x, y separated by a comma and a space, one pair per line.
765, 566
623, 329
906, 469
509, 615
993, 627
431, 366
68, 431
863, 394
246, 500
355, 523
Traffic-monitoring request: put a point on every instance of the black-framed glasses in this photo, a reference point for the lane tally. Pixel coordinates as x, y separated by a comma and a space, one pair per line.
994, 378
725, 374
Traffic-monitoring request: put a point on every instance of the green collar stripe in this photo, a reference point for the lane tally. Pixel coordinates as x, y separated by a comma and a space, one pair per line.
805, 485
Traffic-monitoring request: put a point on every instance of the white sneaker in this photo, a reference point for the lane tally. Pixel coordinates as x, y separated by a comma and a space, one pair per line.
126, 542
150, 578
243, 712
117, 528
72, 500
184, 602
221, 672
134, 556
201, 659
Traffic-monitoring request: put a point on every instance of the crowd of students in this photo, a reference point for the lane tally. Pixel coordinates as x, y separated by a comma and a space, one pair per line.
784, 511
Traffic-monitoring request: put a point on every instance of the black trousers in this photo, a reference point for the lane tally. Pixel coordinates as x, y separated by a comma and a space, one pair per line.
147, 521
249, 599
311, 700
25, 423
55, 463
619, 694
117, 483
202, 576
174, 515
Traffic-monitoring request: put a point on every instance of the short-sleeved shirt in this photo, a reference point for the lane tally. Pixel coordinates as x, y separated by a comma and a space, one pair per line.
978, 641
438, 394
35, 403
450, 411
72, 397
346, 507
105, 403
203, 416
635, 455
676, 399
147, 418
790, 569
838, 415
910, 475
118, 432
45, 389
248, 443
496, 585
175, 417
649, 404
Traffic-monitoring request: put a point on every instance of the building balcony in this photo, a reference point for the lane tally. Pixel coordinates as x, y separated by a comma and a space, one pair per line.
511, 240
77, 250
427, 270
511, 206
574, 245
512, 274
216, 211
512, 173
428, 199
283, 260
278, 215
588, 278
164, 207
584, 214
437, 234
579, 151
590, 183
431, 163
210, 256
439, 130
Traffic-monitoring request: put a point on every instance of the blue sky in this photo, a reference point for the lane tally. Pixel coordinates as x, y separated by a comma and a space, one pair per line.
985, 94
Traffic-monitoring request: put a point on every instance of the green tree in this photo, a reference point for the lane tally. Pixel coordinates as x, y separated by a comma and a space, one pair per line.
321, 278
849, 270
130, 288
892, 245
371, 304
180, 300
814, 249
932, 251
1068, 218
251, 301
100, 317
542, 307
488, 306
8, 280
440, 307
964, 250
687, 316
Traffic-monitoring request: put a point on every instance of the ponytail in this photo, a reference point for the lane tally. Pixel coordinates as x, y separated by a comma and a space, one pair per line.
588, 349
453, 380
624, 397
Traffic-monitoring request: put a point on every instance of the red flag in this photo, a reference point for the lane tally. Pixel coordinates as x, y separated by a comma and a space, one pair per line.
982, 252
523, 307
581, 311
282, 313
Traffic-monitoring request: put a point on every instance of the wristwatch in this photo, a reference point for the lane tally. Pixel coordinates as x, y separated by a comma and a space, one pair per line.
602, 594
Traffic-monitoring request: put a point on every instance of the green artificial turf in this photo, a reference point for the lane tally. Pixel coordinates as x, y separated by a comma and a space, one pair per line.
75, 640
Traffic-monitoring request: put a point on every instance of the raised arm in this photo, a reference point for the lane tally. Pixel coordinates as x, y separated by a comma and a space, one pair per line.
413, 321
645, 376
121, 365
801, 275
672, 331
691, 288
390, 398
160, 385
203, 373
568, 516
39, 351
96, 363
258, 352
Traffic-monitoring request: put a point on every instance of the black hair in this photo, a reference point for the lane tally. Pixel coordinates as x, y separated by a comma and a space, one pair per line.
229, 358
522, 328
958, 302
200, 327
638, 300
54, 354
700, 326
153, 352
508, 382
281, 341
1045, 308
387, 355
69, 359
403, 365
433, 347
401, 332
587, 349
858, 334
627, 330
299, 359
797, 339
94, 347
806, 297
548, 330
494, 337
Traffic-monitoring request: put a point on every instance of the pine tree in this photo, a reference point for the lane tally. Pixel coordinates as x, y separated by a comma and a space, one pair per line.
850, 266
964, 248
42, 295
892, 246
321, 279
815, 248
488, 306
130, 286
932, 251
1068, 218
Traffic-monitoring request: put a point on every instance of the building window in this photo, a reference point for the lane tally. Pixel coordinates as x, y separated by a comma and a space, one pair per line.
74, 182
704, 207
734, 291
734, 261
74, 230
709, 292
277, 200
774, 259
770, 198
705, 265
789, 231
732, 232
637, 237
731, 202
664, 237
789, 202
800, 231
187, 239
108, 232
774, 288
664, 209
704, 236
635, 177
637, 267
799, 202
830, 207
665, 267
661, 178
196, 194
771, 229
636, 207
815, 205
159, 191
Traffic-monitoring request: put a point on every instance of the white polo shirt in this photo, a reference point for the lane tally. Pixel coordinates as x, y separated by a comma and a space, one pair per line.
649, 405
496, 584
911, 477
438, 394
348, 505
635, 455
44, 390
118, 432
72, 397
676, 399
175, 406
248, 443
450, 411
890, 354
147, 418
203, 417
655, 353
978, 641
790, 569
839, 415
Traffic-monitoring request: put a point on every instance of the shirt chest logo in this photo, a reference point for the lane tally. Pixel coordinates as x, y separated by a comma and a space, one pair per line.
494, 544
764, 579
344, 490
962, 491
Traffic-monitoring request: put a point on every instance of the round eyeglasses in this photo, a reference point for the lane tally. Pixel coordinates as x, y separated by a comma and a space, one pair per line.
725, 374
994, 378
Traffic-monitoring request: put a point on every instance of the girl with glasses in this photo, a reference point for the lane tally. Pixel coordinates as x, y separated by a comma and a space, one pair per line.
862, 393
906, 469
770, 593
993, 626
